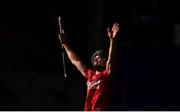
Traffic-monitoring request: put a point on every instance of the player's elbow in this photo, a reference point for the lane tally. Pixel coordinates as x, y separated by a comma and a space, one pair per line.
76, 62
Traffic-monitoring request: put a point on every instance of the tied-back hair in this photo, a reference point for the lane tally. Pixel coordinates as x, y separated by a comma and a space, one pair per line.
101, 53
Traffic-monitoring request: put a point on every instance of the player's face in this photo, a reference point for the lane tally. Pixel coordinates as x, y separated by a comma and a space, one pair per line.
98, 61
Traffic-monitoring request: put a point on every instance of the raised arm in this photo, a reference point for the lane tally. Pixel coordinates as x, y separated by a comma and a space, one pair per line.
112, 48
72, 55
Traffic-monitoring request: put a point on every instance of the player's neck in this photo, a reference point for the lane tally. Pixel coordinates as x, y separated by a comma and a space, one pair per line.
97, 72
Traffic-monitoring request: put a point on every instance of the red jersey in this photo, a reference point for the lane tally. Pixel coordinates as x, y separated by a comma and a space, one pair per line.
99, 91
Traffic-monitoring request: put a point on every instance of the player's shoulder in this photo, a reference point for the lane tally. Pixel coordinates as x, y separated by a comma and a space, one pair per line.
90, 72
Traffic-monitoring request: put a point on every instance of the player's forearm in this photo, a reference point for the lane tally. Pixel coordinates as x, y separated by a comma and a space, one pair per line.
112, 50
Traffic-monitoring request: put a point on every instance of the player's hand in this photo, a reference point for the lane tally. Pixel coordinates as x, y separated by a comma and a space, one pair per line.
112, 34
62, 37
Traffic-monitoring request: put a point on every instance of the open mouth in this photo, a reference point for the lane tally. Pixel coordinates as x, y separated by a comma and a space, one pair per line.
95, 62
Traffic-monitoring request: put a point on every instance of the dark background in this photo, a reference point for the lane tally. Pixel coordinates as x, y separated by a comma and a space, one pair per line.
31, 72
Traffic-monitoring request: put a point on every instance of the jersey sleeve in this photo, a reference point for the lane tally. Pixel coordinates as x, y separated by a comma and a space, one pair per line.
89, 73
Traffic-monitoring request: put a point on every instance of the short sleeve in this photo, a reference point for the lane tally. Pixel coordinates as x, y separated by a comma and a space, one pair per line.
105, 74
89, 73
